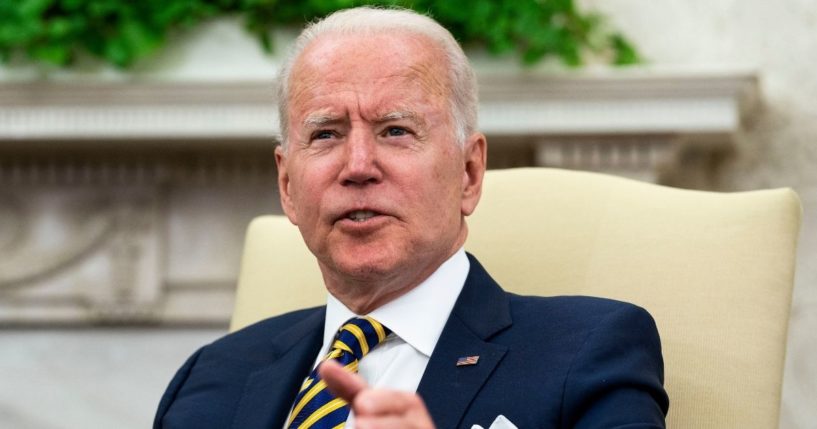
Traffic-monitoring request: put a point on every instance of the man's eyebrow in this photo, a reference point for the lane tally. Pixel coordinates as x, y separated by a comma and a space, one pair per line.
400, 114
318, 120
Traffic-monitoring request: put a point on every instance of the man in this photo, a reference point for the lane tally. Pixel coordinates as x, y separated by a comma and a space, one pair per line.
379, 166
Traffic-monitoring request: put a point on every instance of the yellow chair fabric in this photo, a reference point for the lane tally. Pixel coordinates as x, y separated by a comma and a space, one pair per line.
715, 270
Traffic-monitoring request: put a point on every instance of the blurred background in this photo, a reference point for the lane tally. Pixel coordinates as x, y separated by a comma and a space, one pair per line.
136, 144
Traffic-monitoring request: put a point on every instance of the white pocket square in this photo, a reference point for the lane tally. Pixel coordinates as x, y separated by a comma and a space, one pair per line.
501, 422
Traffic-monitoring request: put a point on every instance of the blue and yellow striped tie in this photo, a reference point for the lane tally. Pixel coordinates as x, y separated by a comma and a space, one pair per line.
315, 407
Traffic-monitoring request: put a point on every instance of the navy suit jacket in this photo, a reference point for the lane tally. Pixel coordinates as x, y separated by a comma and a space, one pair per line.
557, 362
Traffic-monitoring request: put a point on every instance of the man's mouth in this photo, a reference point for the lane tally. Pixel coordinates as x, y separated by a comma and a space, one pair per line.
361, 215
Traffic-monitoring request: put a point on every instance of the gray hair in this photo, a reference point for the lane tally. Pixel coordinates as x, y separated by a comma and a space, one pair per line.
369, 20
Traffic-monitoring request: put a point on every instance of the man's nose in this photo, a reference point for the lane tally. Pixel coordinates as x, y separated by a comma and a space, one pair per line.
361, 164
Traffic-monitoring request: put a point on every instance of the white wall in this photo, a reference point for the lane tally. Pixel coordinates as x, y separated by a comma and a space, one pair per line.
101, 378
779, 40
113, 378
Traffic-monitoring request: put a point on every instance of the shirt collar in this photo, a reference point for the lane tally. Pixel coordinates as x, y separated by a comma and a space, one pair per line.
434, 299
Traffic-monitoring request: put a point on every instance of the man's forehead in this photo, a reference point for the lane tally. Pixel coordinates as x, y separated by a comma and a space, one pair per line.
322, 101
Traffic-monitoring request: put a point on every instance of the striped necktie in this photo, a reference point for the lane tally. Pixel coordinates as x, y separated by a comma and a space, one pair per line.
315, 407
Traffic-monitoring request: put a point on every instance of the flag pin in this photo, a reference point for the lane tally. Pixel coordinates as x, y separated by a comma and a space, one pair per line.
467, 360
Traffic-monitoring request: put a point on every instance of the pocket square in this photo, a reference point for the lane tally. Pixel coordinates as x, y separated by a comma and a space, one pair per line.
501, 422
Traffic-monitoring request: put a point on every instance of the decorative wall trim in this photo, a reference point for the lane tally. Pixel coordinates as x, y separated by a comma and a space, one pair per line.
630, 103
617, 103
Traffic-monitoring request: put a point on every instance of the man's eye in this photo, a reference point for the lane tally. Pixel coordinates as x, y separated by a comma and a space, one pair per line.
322, 135
396, 131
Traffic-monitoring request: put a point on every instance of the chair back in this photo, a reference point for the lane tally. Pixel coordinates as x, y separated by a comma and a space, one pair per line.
714, 269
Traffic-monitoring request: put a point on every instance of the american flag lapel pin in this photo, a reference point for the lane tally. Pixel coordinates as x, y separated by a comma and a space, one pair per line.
467, 360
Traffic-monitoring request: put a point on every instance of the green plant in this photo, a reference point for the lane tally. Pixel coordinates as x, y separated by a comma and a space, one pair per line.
123, 31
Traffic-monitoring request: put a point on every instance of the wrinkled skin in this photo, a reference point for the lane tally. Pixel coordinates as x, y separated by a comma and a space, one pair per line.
372, 174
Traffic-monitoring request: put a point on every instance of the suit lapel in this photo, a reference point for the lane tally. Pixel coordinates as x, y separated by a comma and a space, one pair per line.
269, 392
481, 311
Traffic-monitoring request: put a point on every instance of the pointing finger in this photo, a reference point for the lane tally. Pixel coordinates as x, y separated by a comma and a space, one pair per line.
341, 382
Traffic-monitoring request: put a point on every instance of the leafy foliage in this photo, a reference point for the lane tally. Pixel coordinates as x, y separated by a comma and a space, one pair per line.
123, 31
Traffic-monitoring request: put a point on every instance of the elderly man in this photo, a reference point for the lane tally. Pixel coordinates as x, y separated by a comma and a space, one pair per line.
379, 166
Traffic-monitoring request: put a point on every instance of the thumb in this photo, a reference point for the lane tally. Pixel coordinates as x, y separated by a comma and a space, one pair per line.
342, 383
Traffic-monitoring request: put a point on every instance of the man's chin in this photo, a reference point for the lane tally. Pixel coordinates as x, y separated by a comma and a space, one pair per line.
363, 271
361, 268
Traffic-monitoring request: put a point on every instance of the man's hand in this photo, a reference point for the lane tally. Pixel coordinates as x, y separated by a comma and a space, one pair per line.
375, 408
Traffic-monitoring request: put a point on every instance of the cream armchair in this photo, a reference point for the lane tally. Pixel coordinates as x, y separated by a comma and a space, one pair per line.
715, 270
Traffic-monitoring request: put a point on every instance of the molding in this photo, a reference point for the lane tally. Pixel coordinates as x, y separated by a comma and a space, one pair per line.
149, 111
512, 104
618, 103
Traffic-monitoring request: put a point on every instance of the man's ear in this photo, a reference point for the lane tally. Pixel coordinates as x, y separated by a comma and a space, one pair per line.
283, 185
475, 156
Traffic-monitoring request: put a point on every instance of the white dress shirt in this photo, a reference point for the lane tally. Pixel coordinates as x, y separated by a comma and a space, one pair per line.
416, 320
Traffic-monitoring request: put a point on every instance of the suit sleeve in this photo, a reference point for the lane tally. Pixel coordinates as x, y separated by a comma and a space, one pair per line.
173, 389
617, 377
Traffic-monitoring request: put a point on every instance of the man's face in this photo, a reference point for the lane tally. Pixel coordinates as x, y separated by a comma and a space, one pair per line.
372, 174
